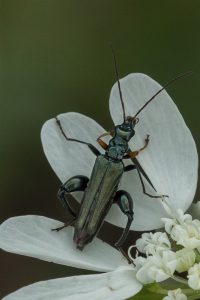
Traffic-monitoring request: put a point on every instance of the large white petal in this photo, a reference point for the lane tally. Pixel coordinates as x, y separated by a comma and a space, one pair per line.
32, 236
69, 158
170, 159
117, 285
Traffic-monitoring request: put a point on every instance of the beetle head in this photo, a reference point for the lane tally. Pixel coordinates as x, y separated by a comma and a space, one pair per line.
126, 129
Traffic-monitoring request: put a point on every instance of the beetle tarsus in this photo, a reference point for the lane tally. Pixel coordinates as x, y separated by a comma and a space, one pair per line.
144, 190
146, 142
124, 254
71, 222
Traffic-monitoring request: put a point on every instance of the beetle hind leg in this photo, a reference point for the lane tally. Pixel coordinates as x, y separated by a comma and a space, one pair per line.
74, 184
125, 203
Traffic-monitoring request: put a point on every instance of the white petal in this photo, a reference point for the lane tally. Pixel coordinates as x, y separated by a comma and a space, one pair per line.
32, 236
69, 158
194, 277
175, 295
170, 159
117, 285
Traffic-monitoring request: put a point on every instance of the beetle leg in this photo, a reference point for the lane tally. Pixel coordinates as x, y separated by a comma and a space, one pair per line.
94, 150
74, 184
144, 190
101, 142
142, 172
125, 203
71, 222
132, 154
130, 168
146, 142
133, 167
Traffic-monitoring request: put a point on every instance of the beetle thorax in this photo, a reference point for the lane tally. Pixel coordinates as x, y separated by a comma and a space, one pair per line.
117, 148
118, 145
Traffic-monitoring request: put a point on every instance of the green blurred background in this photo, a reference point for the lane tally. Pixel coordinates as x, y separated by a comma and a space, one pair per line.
54, 57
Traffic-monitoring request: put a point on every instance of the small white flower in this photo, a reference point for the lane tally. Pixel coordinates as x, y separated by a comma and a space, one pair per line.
176, 216
156, 268
185, 259
194, 277
187, 236
151, 242
183, 230
175, 295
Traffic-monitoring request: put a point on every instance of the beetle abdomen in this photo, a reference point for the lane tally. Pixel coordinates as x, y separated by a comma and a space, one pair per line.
97, 199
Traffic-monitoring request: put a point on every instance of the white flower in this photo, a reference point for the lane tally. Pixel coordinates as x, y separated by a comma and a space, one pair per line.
194, 277
156, 268
185, 259
175, 295
151, 242
184, 230
188, 237
170, 161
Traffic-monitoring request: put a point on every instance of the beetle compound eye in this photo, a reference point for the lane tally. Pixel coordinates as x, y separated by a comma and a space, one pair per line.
136, 120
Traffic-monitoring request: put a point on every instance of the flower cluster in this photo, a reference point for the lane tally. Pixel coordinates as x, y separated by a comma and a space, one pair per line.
173, 254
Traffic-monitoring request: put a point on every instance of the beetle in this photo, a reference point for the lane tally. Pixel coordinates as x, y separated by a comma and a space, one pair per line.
101, 190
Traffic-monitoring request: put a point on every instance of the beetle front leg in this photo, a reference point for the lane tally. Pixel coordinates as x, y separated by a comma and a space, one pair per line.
132, 154
101, 142
125, 203
74, 184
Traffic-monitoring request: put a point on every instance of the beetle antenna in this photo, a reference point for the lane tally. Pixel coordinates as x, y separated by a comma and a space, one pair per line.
118, 82
163, 88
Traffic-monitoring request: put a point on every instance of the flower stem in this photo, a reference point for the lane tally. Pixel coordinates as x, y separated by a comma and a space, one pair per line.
179, 279
197, 255
193, 297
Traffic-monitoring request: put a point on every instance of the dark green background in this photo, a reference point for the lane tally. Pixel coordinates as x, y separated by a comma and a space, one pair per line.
54, 57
